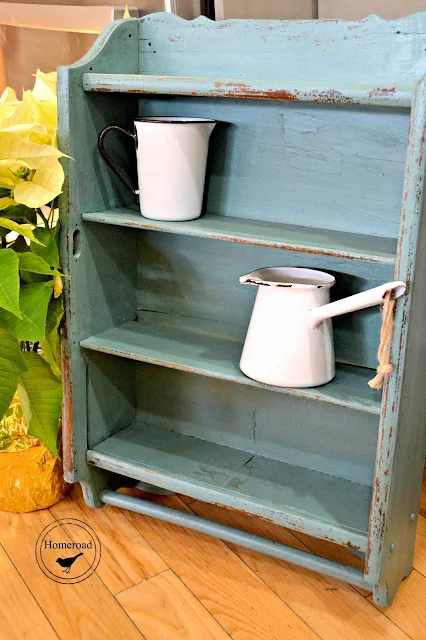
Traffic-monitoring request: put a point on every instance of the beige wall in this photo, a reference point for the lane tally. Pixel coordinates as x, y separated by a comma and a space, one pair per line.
24, 50
266, 9
358, 9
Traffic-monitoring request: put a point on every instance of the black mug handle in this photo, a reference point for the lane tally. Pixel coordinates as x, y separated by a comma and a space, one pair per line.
102, 151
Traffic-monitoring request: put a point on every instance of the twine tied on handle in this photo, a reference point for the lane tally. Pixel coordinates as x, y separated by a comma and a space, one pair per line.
386, 333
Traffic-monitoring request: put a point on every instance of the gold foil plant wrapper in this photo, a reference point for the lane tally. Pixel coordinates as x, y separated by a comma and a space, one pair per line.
30, 475
13, 430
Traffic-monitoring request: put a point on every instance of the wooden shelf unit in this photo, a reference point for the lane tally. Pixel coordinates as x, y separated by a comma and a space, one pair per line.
309, 172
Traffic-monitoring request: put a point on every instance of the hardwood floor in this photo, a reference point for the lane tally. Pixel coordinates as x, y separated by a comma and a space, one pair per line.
160, 582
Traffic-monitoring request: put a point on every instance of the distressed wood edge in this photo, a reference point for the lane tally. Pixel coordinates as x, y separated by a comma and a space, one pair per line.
389, 555
140, 223
343, 536
393, 94
100, 43
365, 25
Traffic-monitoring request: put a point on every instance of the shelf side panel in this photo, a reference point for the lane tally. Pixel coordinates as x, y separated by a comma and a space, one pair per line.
100, 284
401, 443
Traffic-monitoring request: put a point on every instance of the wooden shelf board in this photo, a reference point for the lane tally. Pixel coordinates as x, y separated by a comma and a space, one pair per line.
266, 234
315, 503
387, 93
199, 347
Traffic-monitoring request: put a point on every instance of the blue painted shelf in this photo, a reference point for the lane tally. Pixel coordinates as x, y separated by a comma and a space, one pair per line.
290, 495
199, 347
260, 233
385, 94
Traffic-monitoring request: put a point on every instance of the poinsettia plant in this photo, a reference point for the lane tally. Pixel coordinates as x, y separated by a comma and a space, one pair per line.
31, 305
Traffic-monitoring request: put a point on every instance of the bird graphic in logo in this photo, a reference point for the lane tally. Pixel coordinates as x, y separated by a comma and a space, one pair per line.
68, 562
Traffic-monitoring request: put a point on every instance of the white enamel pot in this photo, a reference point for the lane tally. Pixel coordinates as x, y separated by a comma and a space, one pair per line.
171, 156
289, 341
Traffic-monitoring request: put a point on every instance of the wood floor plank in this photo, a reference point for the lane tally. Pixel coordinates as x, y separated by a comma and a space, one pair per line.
82, 611
242, 603
185, 499
408, 608
419, 562
333, 609
127, 558
423, 497
333, 552
14, 597
163, 608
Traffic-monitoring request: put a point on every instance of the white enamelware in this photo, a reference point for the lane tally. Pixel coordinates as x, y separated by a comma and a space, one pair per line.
289, 341
171, 156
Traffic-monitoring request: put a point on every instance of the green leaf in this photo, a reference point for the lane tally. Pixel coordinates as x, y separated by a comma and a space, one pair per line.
51, 345
33, 303
40, 393
9, 281
23, 229
35, 264
12, 364
22, 214
49, 251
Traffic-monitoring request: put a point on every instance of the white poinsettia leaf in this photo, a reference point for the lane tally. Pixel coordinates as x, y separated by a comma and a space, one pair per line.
44, 186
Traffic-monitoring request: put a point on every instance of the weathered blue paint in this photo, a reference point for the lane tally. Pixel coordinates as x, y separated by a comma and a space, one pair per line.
331, 51
401, 444
88, 183
292, 182
341, 93
191, 345
284, 493
265, 234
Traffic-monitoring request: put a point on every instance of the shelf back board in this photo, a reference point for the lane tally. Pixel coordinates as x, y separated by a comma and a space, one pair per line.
323, 166
294, 50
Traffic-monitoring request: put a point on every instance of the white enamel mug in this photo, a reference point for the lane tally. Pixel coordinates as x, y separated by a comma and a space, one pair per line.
171, 155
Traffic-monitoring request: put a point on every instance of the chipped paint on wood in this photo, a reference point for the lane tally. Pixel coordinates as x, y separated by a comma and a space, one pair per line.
67, 419
400, 451
297, 51
219, 475
340, 93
